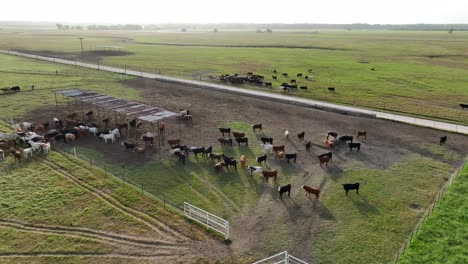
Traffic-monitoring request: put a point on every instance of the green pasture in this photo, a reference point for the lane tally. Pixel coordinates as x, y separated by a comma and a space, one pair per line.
371, 226
443, 237
416, 73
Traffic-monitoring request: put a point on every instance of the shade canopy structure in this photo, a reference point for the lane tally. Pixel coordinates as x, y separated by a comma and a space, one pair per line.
132, 109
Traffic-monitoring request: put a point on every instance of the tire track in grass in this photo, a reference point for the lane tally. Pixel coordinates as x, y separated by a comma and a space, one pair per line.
163, 255
153, 223
80, 232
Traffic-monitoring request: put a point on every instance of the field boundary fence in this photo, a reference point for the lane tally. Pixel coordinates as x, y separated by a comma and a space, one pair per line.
207, 219
281, 258
269, 96
428, 212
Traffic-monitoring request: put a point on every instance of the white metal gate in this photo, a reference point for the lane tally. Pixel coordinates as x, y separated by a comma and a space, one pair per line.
210, 220
281, 258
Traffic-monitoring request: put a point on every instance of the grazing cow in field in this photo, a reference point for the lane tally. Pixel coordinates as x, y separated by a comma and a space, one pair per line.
303, 88
180, 157
274, 77
310, 190
286, 134
324, 160
238, 134
225, 131
299, 75
351, 186
257, 126
197, 150
344, 139
284, 189
2, 154
443, 140
275, 71
268, 84
361, 134
309, 70
267, 140
293, 81
301, 135
208, 151
278, 148
308, 145
331, 89
292, 156
15, 89
270, 174
463, 106
219, 167
225, 142
261, 159
243, 160
214, 156
284, 75
240, 140
354, 145
266, 147
309, 77
328, 154
254, 169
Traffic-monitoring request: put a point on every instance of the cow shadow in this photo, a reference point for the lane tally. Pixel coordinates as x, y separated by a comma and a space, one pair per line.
365, 208
322, 210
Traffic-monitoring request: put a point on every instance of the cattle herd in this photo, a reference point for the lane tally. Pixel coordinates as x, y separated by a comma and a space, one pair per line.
259, 80
227, 137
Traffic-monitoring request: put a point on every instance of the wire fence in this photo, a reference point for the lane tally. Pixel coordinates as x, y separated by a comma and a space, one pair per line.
127, 180
380, 107
428, 213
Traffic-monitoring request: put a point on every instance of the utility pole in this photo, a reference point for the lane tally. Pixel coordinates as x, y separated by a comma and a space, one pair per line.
81, 40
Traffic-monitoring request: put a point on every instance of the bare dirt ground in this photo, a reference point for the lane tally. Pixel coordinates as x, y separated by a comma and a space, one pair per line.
386, 144
91, 56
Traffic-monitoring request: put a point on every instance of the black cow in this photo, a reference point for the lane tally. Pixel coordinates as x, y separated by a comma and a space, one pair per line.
345, 139
443, 140
285, 74
180, 156
331, 89
208, 151
293, 81
268, 84
283, 189
197, 150
225, 142
463, 106
225, 131
329, 154
240, 140
274, 77
261, 159
351, 186
15, 89
301, 135
299, 75
354, 145
267, 140
303, 88
291, 156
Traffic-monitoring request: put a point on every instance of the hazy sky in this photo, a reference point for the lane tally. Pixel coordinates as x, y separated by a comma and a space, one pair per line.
244, 11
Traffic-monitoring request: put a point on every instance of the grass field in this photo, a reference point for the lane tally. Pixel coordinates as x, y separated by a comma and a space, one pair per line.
373, 225
443, 237
413, 70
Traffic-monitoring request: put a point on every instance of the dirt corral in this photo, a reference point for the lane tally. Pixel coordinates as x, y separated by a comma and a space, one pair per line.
386, 144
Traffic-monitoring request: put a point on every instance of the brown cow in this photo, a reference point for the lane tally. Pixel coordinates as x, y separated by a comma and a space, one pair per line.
324, 160
238, 134
310, 190
278, 148
270, 174
173, 142
362, 133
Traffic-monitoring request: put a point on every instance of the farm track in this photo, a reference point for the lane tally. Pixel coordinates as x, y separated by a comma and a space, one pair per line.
240, 46
87, 254
81, 232
153, 223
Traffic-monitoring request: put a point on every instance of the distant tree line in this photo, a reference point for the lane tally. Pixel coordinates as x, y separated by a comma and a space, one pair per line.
267, 28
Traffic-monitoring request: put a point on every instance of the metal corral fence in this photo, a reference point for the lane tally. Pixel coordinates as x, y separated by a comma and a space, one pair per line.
428, 213
281, 258
276, 97
207, 219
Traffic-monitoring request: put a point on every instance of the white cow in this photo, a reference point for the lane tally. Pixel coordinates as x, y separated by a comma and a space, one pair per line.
267, 147
106, 137
254, 169
93, 130
116, 132
27, 151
